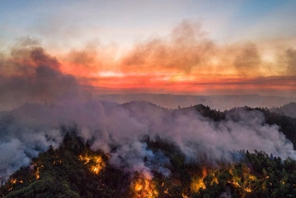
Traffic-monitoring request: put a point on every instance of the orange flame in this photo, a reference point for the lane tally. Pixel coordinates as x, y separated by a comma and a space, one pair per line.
243, 181
37, 173
198, 183
144, 188
97, 162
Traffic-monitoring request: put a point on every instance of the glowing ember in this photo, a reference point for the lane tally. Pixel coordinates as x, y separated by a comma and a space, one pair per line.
37, 173
96, 162
57, 162
204, 172
13, 181
235, 183
197, 184
252, 177
215, 180
243, 181
86, 159
247, 189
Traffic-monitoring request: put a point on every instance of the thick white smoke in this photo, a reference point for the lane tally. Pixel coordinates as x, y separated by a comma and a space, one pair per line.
30, 129
21, 140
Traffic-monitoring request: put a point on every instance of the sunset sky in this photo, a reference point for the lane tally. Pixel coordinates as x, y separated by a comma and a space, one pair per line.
195, 47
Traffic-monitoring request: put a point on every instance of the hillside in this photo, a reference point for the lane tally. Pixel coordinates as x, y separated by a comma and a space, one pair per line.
74, 170
138, 149
287, 109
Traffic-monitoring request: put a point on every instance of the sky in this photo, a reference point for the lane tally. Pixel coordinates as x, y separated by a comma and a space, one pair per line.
134, 46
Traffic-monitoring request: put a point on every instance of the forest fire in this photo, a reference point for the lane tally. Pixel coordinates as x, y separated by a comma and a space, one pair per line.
37, 173
242, 180
144, 188
198, 182
149, 168
36, 167
15, 181
96, 163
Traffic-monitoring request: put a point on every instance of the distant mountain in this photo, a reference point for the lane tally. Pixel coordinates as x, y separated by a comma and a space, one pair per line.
220, 102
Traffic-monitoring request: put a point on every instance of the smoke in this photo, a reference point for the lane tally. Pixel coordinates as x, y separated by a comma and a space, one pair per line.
129, 157
248, 60
291, 61
21, 140
186, 50
29, 74
119, 131
186, 61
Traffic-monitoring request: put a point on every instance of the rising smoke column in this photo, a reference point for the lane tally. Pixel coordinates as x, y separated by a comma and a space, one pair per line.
30, 74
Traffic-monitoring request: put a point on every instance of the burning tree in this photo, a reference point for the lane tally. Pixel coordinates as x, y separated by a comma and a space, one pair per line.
143, 187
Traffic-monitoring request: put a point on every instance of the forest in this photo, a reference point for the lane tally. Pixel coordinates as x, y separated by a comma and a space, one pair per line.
75, 169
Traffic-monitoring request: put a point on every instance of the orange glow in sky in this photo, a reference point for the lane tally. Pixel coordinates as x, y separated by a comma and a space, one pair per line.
246, 47
186, 62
